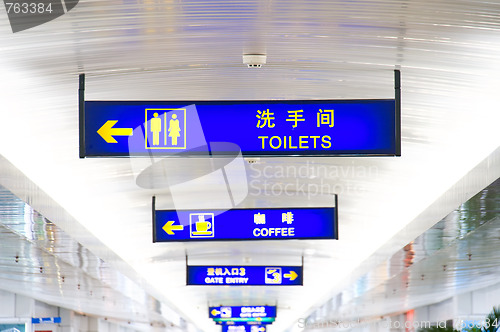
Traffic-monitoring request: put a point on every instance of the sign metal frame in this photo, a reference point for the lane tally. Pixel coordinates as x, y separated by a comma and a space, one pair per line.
335, 227
273, 313
302, 153
294, 268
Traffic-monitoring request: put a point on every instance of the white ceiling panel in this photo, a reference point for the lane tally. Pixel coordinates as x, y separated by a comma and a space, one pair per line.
447, 52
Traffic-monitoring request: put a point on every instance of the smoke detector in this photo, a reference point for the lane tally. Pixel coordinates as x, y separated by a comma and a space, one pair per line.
254, 60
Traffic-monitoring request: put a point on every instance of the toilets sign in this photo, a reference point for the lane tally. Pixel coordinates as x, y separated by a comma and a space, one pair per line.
245, 224
258, 128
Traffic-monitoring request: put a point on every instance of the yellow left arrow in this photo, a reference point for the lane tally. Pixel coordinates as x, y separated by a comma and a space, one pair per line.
170, 227
215, 312
107, 131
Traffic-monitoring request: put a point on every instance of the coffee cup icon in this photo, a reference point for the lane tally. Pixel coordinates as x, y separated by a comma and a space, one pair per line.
203, 224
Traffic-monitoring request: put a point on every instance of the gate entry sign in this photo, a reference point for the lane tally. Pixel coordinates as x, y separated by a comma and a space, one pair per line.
244, 275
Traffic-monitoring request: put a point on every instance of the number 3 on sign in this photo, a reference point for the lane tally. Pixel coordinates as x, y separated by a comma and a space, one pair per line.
273, 275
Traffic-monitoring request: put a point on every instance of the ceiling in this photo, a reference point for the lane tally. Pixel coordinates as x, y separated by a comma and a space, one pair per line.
94, 217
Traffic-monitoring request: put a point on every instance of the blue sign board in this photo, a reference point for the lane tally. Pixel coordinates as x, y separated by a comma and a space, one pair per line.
245, 224
46, 320
243, 328
236, 312
257, 128
244, 321
249, 275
